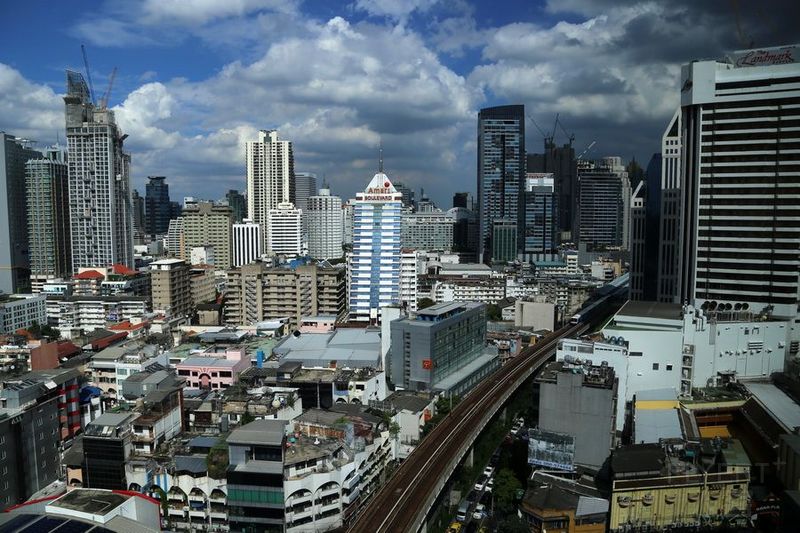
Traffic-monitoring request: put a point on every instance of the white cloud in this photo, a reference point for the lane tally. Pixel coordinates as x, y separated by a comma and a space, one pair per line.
395, 9
199, 12
29, 110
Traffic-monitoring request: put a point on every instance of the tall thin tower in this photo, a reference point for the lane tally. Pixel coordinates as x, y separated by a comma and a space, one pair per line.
101, 218
270, 176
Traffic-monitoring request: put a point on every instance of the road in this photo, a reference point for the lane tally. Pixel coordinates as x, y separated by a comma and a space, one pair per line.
414, 486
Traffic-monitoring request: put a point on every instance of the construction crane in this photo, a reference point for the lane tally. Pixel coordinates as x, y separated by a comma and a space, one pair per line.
88, 73
537, 125
570, 136
586, 150
104, 99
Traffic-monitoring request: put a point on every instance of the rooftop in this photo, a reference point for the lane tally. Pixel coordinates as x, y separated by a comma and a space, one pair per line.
638, 458
219, 362
92, 501
651, 310
259, 432
777, 403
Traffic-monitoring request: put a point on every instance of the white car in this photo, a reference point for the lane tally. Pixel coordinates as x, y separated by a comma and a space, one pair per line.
480, 483
477, 514
489, 485
488, 471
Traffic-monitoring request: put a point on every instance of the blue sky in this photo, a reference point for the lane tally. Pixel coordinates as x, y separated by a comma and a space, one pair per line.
197, 78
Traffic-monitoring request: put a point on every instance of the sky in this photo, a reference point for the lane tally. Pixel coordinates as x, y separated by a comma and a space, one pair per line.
196, 79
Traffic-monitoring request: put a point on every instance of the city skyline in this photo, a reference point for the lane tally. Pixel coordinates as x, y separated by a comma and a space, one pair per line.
585, 60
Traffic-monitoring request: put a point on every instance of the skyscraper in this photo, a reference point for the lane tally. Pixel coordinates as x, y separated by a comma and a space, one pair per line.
645, 227
47, 191
158, 208
137, 203
270, 176
409, 196
237, 204
540, 215
101, 221
247, 242
670, 212
14, 263
501, 172
602, 218
740, 237
464, 200
285, 230
325, 225
375, 261
560, 161
206, 224
305, 186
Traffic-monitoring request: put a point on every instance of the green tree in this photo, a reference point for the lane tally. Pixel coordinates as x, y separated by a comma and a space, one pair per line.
493, 312
394, 429
506, 485
422, 303
513, 524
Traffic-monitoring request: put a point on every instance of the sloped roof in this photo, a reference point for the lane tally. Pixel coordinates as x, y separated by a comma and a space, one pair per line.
89, 274
122, 270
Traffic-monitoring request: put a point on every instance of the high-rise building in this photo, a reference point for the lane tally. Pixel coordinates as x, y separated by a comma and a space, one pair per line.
375, 260
270, 176
504, 240
169, 279
246, 242
501, 172
645, 227
207, 224
347, 223
285, 230
465, 234
237, 204
14, 263
158, 208
540, 215
604, 195
639, 259
464, 200
101, 218
408, 279
409, 196
740, 245
325, 225
107, 446
176, 244
560, 161
305, 186
429, 230
670, 212
137, 206
47, 197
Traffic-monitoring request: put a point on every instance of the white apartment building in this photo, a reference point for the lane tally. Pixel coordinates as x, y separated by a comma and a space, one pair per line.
247, 242
270, 176
20, 311
101, 217
285, 231
325, 225
374, 265
175, 242
71, 314
431, 230
489, 291
347, 223
110, 367
408, 279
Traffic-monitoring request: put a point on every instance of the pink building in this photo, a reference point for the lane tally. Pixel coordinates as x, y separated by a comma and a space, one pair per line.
318, 324
216, 368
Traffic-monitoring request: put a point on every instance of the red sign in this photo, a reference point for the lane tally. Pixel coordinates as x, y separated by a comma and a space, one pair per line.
769, 56
427, 364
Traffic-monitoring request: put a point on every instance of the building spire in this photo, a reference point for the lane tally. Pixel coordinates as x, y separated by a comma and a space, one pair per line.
380, 157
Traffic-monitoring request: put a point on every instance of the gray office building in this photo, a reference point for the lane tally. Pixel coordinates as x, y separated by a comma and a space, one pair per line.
237, 204
560, 161
579, 400
158, 208
603, 220
443, 348
305, 186
14, 264
501, 172
431, 230
540, 216
47, 199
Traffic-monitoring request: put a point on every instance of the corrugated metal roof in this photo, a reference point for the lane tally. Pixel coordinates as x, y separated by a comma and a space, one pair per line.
589, 506
779, 405
654, 424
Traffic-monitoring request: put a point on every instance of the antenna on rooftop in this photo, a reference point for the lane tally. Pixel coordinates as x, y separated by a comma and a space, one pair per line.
380, 157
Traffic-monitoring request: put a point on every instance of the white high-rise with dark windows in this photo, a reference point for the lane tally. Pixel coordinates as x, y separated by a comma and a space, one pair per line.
325, 225
285, 231
247, 242
270, 176
740, 165
101, 217
374, 264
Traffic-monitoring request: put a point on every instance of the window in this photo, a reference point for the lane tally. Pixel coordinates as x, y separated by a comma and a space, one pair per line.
655, 366
669, 368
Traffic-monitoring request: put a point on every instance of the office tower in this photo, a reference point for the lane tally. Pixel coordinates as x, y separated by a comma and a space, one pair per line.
305, 186
429, 230
176, 244
175, 210
206, 224
237, 204
270, 176
540, 216
171, 293
107, 446
442, 348
409, 196
256, 292
325, 225
47, 200
504, 240
465, 234
639, 260
137, 206
158, 208
14, 263
645, 227
739, 240
602, 219
375, 261
285, 231
501, 172
669, 212
464, 200
99, 182
247, 242
560, 161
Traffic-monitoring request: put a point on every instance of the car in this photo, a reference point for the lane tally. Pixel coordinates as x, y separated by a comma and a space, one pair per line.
461, 515
480, 483
488, 471
455, 527
477, 514
489, 485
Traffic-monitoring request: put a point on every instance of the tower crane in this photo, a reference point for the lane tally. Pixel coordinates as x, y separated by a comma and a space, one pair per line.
88, 73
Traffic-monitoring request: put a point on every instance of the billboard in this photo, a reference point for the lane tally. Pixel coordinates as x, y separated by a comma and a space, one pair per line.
551, 450
780, 55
